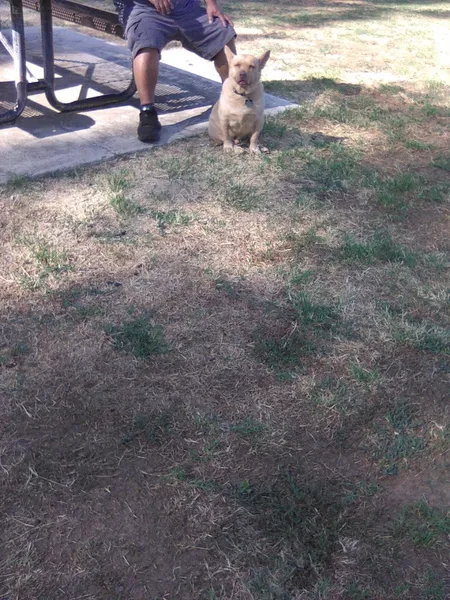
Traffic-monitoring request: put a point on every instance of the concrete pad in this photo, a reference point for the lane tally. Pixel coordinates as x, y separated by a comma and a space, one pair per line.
44, 141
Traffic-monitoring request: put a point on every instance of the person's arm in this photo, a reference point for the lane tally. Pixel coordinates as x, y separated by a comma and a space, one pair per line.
214, 10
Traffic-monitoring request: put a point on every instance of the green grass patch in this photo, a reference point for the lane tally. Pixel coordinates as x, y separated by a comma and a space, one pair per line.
156, 428
203, 485
74, 299
304, 240
418, 145
225, 285
297, 527
118, 184
330, 392
242, 196
172, 218
367, 377
18, 183
18, 350
380, 247
390, 89
397, 439
423, 525
325, 317
333, 169
178, 167
274, 130
49, 261
360, 490
248, 428
285, 355
442, 162
423, 335
431, 192
125, 207
139, 336
392, 192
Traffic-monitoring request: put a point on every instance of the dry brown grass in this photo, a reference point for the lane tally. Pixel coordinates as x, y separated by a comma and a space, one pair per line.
292, 410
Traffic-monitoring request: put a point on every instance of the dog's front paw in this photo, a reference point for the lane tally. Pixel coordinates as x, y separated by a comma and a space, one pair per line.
238, 149
255, 149
228, 146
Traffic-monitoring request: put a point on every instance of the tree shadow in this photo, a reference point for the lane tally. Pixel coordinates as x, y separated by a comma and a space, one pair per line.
308, 89
316, 14
435, 14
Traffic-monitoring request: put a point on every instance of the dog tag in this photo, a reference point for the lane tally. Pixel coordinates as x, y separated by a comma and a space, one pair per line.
248, 102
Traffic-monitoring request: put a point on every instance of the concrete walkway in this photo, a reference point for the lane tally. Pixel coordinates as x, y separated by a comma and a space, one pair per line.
44, 141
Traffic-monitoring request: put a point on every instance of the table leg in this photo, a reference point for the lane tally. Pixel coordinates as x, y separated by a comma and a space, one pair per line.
18, 42
49, 72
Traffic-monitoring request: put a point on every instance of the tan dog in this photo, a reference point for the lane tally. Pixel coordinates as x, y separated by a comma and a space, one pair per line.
239, 112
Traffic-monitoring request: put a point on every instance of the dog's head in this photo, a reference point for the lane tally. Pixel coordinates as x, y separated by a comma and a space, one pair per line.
245, 69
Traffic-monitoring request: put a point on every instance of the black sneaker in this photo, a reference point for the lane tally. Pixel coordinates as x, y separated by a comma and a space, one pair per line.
149, 126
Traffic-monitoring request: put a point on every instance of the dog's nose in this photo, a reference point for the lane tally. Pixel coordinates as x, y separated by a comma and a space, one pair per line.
243, 75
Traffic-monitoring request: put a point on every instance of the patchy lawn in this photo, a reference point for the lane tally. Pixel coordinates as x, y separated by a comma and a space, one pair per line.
227, 377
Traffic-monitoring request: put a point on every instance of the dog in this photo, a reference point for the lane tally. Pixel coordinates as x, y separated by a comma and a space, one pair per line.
239, 112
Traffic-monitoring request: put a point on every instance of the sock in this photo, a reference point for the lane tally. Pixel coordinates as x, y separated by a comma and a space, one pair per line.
145, 107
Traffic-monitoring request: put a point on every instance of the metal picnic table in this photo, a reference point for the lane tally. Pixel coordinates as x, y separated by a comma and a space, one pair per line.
64, 9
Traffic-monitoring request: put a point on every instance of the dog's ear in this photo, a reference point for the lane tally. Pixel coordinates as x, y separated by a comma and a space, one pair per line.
263, 59
229, 54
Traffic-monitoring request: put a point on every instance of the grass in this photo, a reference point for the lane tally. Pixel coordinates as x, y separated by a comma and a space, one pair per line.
248, 428
226, 376
49, 262
139, 336
285, 355
425, 336
242, 196
380, 247
286, 349
442, 162
18, 183
170, 218
304, 518
367, 377
118, 185
333, 169
334, 394
424, 525
398, 440
155, 428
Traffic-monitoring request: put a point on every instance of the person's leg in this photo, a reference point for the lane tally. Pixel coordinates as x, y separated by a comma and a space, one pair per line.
145, 69
221, 62
147, 32
206, 39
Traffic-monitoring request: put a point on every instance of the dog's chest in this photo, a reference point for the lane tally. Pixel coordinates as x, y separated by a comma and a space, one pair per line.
242, 120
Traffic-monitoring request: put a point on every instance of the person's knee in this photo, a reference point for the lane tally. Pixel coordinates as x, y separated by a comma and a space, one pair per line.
147, 53
220, 57
232, 45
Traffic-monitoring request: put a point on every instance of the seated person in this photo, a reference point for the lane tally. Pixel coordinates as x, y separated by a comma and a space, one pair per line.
151, 24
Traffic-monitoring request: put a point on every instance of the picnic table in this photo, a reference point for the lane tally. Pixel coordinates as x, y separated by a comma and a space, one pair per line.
70, 11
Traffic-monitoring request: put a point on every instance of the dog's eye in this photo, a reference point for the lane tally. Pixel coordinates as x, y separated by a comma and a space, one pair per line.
252, 66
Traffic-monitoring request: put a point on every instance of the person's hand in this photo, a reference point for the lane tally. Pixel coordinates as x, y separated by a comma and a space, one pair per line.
213, 10
164, 7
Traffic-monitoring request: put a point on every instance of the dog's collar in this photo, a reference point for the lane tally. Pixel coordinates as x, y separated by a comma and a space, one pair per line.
245, 95
248, 100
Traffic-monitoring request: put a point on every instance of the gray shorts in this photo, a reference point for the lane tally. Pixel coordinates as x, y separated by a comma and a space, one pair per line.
146, 28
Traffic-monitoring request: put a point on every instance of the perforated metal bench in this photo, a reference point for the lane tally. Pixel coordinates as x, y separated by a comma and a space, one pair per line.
80, 14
